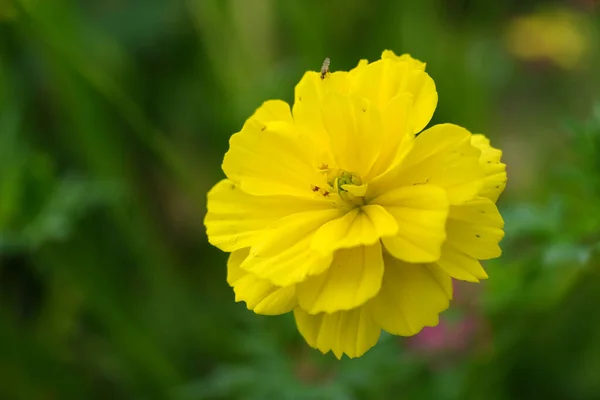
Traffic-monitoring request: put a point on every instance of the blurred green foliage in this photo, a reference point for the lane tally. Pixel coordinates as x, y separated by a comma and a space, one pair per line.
114, 116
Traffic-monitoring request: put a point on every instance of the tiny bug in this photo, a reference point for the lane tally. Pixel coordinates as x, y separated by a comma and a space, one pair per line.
325, 67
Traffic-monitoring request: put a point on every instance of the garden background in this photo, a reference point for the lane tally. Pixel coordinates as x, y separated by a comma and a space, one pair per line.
115, 115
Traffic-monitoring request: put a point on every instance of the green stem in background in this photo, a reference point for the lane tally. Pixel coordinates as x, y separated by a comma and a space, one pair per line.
127, 108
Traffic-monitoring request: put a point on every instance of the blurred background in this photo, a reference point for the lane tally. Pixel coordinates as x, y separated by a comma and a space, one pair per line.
115, 115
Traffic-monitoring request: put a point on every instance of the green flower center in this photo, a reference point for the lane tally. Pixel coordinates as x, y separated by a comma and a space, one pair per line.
345, 178
344, 188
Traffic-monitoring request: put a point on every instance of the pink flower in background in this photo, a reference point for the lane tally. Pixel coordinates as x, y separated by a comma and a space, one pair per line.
454, 336
446, 337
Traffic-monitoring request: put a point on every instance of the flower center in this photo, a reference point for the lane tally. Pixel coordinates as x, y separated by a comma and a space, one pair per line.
344, 188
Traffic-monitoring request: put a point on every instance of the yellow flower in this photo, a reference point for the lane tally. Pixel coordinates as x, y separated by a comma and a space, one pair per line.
336, 210
560, 36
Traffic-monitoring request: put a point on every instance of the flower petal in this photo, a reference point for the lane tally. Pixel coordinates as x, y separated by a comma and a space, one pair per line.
307, 103
414, 63
411, 297
361, 226
350, 332
355, 132
269, 111
494, 182
308, 99
398, 137
353, 278
384, 79
381, 80
420, 212
277, 160
235, 218
235, 259
442, 156
260, 295
460, 265
358, 191
283, 254
476, 228
422, 87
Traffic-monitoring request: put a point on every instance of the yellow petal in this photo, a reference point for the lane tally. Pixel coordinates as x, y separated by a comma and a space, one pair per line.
235, 218
283, 254
442, 156
354, 71
380, 81
260, 295
475, 228
414, 63
272, 161
420, 212
361, 226
270, 111
422, 87
358, 191
350, 332
353, 278
494, 182
235, 259
460, 265
307, 104
308, 100
398, 135
275, 161
384, 79
355, 132
411, 297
